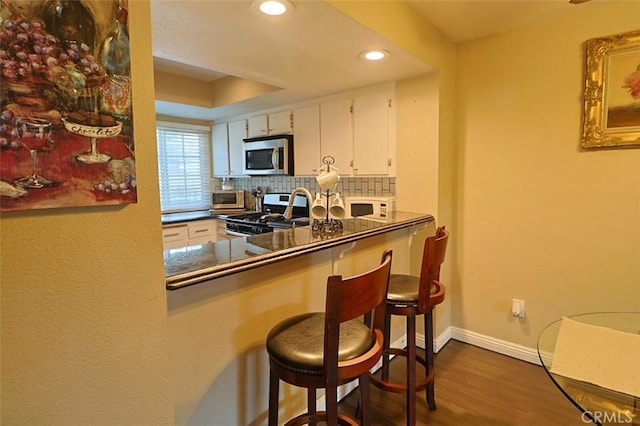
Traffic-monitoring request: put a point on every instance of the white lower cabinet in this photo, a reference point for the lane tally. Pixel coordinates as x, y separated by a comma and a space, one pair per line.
189, 234
202, 232
222, 231
174, 236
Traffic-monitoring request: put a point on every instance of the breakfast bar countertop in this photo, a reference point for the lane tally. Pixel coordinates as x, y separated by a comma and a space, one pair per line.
191, 265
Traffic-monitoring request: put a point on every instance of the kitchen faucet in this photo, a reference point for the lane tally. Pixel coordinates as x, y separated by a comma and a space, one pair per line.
300, 190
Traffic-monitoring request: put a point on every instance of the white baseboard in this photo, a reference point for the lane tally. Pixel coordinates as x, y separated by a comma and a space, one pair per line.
503, 347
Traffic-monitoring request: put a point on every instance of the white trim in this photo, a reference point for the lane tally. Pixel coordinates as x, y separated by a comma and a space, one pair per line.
503, 347
183, 126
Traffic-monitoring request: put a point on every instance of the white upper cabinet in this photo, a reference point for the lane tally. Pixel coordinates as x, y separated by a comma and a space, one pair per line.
220, 151
306, 142
280, 123
358, 130
270, 124
237, 132
227, 141
336, 133
257, 126
372, 116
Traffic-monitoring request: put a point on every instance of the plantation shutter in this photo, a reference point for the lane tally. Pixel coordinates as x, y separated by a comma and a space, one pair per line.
184, 167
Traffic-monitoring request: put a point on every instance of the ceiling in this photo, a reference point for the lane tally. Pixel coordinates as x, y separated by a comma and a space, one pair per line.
312, 52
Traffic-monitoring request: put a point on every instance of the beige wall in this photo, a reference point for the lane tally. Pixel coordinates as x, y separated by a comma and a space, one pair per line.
217, 330
538, 219
84, 326
84, 333
426, 146
531, 216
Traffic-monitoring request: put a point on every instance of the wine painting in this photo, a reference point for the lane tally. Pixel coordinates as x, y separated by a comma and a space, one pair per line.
66, 119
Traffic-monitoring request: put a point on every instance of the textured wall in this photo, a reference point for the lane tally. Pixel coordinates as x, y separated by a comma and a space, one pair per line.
84, 334
539, 219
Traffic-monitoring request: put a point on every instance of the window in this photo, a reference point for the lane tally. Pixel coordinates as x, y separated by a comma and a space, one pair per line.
184, 166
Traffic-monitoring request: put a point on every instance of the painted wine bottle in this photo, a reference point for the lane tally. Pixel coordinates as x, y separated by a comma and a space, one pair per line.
115, 57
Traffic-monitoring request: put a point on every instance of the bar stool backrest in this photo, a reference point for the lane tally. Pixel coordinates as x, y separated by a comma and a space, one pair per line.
433, 256
350, 298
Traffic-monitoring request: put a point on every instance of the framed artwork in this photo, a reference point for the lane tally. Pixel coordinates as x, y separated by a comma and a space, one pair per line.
612, 92
66, 119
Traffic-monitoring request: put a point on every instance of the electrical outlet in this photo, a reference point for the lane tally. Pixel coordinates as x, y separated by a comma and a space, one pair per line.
517, 308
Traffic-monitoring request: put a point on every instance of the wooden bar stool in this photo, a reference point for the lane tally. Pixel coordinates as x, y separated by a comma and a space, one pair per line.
325, 350
410, 296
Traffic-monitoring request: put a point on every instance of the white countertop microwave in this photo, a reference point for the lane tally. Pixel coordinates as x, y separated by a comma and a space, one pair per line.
369, 207
221, 200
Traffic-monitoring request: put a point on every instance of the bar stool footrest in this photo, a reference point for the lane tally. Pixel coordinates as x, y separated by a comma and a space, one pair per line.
319, 416
402, 387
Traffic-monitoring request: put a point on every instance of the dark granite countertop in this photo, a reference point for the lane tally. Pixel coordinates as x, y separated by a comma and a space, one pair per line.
177, 218
187, 266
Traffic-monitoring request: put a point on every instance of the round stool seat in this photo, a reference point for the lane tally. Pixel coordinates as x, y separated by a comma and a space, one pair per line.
404, 289
297, 343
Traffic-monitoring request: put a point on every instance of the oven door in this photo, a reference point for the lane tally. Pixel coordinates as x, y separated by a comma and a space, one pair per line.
236, 233
238, 228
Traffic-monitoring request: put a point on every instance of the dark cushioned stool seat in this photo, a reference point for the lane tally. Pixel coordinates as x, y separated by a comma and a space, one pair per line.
404, 288
323, 350
410, 296
297, 342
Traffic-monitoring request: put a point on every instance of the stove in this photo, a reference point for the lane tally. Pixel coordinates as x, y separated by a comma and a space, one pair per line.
274, 205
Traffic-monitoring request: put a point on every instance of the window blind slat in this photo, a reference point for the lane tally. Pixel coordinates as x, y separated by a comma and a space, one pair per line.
184, 164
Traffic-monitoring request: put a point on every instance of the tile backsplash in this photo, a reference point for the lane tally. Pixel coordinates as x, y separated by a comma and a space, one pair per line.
348, 186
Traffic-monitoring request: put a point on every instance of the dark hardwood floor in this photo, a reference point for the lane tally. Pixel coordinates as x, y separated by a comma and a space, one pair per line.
475, 386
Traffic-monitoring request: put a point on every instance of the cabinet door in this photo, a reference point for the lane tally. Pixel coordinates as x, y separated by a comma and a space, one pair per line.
221, 234
336, 134
220, 151
174, 236
202, 232
257, 126
306, 143
371, 114
237, 132
280, 123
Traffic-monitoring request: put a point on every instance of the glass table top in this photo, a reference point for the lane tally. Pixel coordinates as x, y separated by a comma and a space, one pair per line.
598, 404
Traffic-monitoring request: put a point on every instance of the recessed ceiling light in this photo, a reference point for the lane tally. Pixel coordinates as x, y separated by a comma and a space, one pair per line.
273, 7
374, 55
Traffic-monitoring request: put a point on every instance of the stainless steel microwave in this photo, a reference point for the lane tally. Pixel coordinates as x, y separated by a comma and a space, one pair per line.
271, 155
221, 200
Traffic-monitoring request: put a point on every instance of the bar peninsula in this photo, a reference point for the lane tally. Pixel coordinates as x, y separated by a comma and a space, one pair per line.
192, 265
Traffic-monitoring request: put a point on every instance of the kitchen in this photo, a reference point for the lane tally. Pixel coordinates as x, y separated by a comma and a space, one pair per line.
486, 166
365, 179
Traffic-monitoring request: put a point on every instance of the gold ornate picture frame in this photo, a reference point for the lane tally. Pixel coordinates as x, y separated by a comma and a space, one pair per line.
612, 92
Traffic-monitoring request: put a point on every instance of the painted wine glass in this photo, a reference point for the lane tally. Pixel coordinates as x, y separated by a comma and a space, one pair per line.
34, 134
